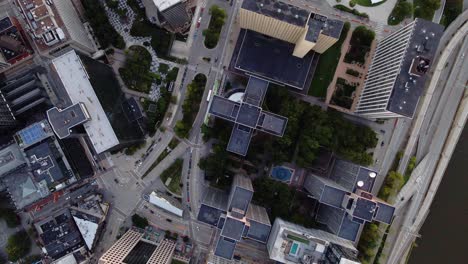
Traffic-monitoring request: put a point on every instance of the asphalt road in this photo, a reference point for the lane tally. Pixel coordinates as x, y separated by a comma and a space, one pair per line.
441, 121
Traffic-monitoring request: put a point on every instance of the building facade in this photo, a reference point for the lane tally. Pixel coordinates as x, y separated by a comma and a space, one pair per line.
173, 15
397, 76
277, 19
7, 119
136, 247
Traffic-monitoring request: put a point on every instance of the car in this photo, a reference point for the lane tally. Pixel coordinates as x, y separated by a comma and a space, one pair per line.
382, 144
169, 220
116, 181
151, 211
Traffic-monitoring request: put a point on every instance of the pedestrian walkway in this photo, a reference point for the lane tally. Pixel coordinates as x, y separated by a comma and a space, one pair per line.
124, 30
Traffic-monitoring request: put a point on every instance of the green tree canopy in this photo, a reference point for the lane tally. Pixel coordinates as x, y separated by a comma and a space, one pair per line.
139, 221
18, 246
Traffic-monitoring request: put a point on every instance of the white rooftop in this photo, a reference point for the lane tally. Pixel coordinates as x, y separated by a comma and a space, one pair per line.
165, 4
87, 229
67, 259
161, 202
75, 79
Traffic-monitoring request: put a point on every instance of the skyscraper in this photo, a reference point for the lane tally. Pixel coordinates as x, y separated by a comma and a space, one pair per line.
7, 119
396, 78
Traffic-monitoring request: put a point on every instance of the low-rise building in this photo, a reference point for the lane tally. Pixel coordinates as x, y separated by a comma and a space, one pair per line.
173, 15
53, 24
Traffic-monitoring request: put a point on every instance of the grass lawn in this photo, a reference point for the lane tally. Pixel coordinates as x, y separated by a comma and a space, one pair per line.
326, 66
173, 172
452, 9
425, 8
368, 2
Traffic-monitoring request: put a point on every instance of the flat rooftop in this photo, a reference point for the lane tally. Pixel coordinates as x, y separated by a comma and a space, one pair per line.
233, 229
348, 174
338, 222
46, 164
278, 10
33, 134
272, 59
240, 139
384, 213
215, 198
240, 199
255, 91
364, 209
225, 247
247, 115
209, 215
272, 123
409, 87
332, 196
224, 108
293, 242
75, 80
63, 120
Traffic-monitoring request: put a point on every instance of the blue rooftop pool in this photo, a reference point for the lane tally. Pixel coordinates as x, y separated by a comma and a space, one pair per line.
282, 173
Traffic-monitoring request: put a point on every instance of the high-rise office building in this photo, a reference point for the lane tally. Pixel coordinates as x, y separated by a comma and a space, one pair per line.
397, 76
345, 199
137, 247
290, 243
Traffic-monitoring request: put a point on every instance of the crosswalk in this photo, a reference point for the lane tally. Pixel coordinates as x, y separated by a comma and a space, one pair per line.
379, 31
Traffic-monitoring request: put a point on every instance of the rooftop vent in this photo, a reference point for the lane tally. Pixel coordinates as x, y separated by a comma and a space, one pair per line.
372, 174
360, 184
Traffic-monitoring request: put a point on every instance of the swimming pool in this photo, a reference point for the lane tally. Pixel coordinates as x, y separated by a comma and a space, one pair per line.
282, 173
294, 248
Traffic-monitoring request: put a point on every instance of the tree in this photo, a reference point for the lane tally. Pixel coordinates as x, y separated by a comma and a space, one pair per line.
163, 68
136, 71
10, 217
218, 16
139, 221
105, 33
402, 10
18, 246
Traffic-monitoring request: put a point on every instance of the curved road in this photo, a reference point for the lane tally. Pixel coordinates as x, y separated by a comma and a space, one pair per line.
434, 163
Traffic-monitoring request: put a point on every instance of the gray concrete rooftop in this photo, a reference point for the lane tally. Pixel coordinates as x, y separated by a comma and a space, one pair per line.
409, 86
63, 120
